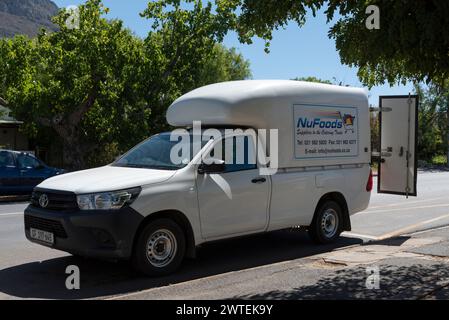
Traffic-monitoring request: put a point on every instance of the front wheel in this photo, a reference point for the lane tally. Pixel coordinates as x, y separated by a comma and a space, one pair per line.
327, 222
160, 248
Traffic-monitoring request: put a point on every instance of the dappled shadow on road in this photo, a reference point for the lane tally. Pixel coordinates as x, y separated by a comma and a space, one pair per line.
433, 168
46, 279
442, 294
395, 283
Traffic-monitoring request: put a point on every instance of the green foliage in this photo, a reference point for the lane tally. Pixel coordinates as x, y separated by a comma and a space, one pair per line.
433, 121
224, 65
412, 42
374, 126
100, 89
439, 160
313, 79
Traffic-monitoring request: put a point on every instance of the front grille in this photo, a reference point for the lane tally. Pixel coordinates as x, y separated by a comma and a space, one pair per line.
57, 200
52, 226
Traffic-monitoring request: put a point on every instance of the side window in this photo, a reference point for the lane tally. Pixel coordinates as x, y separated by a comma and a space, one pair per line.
239, 153
26, 161
6, 159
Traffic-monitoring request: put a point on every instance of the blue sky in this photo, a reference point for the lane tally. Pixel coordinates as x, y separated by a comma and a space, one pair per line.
295, 52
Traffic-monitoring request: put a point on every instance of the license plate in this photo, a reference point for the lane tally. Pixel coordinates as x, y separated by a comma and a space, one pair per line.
41, 235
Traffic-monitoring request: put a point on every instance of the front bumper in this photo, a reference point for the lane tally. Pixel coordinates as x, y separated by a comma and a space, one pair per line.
94, 233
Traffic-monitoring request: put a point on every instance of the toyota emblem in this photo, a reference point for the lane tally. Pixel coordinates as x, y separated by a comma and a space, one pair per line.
43, 200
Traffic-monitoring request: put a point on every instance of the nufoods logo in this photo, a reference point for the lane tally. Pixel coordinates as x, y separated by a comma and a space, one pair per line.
326, 120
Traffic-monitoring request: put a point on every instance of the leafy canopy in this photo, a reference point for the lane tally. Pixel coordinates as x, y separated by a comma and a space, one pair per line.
411, 44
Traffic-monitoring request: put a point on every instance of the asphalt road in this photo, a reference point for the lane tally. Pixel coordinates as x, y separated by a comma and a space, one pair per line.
228, 269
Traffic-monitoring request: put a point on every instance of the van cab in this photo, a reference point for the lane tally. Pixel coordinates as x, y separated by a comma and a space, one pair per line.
269, 155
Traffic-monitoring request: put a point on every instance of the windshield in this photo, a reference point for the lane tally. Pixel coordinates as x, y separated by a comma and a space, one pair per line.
158, 152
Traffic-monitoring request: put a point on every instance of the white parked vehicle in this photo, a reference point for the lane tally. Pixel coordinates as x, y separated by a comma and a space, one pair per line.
155, 211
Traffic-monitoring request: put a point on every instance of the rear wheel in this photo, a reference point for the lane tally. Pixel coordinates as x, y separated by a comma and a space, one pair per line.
160, 248
327, 223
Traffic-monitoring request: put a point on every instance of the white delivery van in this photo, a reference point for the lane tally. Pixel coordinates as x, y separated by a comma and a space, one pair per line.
269, 155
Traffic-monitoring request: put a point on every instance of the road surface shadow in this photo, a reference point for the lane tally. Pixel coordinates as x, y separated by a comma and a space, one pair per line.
46, 279
433, 168
395, 283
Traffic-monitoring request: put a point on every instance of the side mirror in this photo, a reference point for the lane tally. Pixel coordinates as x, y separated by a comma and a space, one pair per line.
215, 166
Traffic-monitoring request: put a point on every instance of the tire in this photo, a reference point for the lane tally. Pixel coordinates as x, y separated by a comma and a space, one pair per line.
160, 248
327, 223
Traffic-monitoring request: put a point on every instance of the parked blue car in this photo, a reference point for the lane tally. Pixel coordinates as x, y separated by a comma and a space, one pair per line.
20, 172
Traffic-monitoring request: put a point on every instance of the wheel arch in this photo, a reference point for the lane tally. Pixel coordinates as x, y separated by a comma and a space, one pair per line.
178, 217
341, 200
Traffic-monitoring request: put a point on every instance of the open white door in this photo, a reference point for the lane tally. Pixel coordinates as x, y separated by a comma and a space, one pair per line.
398, 119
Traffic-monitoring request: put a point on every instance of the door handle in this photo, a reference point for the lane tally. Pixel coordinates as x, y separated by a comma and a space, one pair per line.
401, 152
258, 180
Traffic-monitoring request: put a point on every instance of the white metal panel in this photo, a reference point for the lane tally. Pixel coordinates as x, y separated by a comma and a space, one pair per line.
398, 128
295, 194
293, 199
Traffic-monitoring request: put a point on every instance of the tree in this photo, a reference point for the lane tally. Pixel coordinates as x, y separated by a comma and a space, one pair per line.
101, 89
70, 79
433, 121
411, 44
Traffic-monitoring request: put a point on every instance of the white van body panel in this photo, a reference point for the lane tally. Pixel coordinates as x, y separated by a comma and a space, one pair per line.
291, 197
179, 194
296, 193
229, 204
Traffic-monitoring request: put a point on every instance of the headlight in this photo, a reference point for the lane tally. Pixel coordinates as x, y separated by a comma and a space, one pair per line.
107, 200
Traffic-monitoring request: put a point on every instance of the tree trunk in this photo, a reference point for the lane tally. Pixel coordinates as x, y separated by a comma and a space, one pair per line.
73, 155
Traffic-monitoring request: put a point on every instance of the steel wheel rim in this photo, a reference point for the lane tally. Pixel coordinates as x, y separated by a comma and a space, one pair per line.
329, 223
161, 248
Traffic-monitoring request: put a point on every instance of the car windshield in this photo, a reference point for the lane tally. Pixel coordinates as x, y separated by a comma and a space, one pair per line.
159, 152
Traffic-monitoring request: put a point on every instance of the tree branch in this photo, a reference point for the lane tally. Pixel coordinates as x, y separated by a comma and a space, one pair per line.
3, 102
76, 116
156, 87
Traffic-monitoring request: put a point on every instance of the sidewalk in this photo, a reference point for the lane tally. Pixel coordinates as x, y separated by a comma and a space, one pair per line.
409, 267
